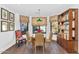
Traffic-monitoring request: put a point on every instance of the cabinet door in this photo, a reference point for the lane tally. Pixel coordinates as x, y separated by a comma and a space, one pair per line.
70, 47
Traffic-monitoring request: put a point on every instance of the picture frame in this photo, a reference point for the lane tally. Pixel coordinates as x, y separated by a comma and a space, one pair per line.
4, 26
11, 26
11, 16
4, 14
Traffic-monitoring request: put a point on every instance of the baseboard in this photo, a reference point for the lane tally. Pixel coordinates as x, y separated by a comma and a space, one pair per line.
6, 47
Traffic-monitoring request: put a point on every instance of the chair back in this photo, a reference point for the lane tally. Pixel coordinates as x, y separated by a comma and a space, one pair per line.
50, 36
18, 34
39, 39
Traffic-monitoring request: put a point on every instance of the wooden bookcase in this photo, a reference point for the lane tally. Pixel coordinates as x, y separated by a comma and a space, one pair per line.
68, 30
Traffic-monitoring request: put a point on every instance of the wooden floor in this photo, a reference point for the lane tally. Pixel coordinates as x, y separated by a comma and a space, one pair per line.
54, 48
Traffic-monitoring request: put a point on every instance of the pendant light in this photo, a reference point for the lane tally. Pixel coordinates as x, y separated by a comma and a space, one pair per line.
39, 19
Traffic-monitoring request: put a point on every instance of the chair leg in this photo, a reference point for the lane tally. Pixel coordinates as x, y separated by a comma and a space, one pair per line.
27, 43
43, 49
35, 49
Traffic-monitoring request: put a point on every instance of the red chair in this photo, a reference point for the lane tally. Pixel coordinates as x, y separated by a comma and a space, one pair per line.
19, 39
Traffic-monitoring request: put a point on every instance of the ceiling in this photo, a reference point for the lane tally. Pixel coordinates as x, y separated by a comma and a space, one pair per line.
45, 9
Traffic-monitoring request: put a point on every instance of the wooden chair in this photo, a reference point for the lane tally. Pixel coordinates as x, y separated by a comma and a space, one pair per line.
49, 40
39, 40
28, 38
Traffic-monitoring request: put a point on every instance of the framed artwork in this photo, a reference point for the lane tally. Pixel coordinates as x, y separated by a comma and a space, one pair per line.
11, 16
11, 26
4, 14
4, 26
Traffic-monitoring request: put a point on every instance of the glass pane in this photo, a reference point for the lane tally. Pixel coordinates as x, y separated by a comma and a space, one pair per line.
73, 33
35, 28
73, 24
39, 28
54, 27
4, 26
11, 26
24, 28
43, 28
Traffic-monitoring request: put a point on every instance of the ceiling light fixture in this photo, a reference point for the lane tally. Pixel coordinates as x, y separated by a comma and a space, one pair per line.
39, 19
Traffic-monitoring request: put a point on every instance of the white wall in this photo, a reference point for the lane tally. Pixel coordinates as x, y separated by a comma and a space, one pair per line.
7, 39
30, 26
17, 22
48, 28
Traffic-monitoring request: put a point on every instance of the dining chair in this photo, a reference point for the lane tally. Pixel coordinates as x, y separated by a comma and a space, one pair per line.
39, 40
49, 40
28, 38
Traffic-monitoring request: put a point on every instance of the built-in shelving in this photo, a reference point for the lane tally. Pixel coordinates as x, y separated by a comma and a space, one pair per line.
68, 30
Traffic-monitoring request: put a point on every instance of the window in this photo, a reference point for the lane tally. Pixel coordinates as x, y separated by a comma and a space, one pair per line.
24, 28
54, 26
35, 28
42, 28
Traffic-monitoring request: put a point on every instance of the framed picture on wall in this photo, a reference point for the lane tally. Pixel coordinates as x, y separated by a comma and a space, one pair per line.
11, 16
4, 26
11, 26
4, 14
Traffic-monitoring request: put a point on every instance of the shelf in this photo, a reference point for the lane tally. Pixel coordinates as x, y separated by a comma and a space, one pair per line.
73, 38
73, 33
66, 21
73, 14
73, 18
68, 29
73, 28
73, 24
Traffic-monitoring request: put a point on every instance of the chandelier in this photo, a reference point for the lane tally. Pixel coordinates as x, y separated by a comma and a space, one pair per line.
39, 18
